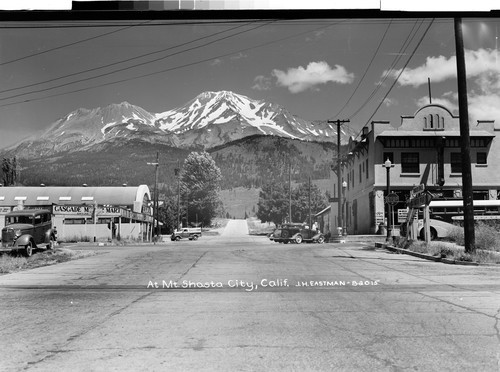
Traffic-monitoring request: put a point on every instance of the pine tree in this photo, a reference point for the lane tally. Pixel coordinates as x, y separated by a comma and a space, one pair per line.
200, 186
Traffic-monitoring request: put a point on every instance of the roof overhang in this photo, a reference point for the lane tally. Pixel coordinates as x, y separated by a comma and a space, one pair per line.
432, 134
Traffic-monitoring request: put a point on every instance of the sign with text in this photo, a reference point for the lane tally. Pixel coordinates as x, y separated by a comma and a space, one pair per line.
392, 198
417, 190
420, 201
4, 210
402, 215
82, 210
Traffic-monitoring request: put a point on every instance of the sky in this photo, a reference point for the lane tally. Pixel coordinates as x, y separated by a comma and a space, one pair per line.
357, 69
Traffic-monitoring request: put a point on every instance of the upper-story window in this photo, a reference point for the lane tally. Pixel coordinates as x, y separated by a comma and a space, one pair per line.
482, 158
456, 162
433, 122
410, 162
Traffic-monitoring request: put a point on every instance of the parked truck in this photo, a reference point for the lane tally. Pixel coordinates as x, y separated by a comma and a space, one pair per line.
191, 233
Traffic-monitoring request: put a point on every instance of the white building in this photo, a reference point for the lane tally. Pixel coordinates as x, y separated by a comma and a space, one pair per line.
86, 213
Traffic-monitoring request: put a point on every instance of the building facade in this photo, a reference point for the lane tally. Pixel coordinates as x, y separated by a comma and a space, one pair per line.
87, 213
423, 150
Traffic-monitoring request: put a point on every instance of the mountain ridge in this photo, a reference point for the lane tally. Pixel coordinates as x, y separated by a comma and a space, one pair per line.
209, 120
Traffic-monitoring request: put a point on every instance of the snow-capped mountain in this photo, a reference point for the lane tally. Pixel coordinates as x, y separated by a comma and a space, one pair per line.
211, 119
235, 111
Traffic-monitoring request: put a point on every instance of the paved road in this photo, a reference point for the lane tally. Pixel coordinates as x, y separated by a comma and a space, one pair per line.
104, 313
236, 228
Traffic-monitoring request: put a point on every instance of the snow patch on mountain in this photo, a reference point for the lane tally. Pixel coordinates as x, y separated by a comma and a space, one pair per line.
210, 119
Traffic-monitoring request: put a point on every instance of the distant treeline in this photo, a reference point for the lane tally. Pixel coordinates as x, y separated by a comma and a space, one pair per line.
248, 163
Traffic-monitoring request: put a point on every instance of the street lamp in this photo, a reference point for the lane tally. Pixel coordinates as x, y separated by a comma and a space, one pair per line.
388, 165
344, 212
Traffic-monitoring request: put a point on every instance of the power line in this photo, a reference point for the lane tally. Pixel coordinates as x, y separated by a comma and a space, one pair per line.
366, 71
400, 73
75, 24
66, 45
174, 68
208, 22
402, 50
406, 64
125, 68
116, 63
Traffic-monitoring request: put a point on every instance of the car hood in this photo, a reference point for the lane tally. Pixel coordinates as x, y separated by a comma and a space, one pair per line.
18, 226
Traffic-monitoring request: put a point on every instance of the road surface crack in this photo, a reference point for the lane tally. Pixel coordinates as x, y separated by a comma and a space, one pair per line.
52, 353
192, 266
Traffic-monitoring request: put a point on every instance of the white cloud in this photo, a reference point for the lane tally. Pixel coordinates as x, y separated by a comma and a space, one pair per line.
300, 79
390, 102
450, 104
262, 83
439, 69
216, 62
483, 83
240, 55
484, 107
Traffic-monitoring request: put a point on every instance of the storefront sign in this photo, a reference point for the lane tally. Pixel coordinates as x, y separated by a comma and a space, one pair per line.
402, 215
86, 210
4, 210
72, 209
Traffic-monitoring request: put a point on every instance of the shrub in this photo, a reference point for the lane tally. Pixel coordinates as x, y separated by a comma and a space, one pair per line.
466, 257
487, 237
457, 235
10, 263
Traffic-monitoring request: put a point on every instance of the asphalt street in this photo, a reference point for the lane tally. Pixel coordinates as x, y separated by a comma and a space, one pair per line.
236, 302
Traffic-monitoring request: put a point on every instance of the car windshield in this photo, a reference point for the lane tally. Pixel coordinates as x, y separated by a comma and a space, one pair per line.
18, 219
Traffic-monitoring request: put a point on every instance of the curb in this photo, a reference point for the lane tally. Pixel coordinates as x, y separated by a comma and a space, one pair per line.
430, 258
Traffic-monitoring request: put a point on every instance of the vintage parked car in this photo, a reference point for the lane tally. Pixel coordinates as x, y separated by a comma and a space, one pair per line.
192, 233
27, 230
296, 233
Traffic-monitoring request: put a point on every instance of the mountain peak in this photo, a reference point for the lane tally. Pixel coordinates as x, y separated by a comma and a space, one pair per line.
221, 95
210, 119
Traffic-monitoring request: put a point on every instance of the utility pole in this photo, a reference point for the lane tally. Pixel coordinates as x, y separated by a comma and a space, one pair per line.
290, 190
469, 235
310, 221
178, 173
339, 174
155, 200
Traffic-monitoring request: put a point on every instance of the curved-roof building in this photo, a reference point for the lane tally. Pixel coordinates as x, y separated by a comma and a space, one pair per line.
80, 212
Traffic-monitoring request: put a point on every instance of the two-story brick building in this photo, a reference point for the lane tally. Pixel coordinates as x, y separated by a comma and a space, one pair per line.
424, 149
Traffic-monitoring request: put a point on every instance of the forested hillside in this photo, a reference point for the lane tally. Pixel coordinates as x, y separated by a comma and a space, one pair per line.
252, 161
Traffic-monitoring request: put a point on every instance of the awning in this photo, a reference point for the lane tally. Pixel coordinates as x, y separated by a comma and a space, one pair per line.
433, 133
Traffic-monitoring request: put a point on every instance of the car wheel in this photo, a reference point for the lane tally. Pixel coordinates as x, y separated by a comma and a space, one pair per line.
195, 237
298, 239
433, 234
321, 240
177, 238
28, 250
